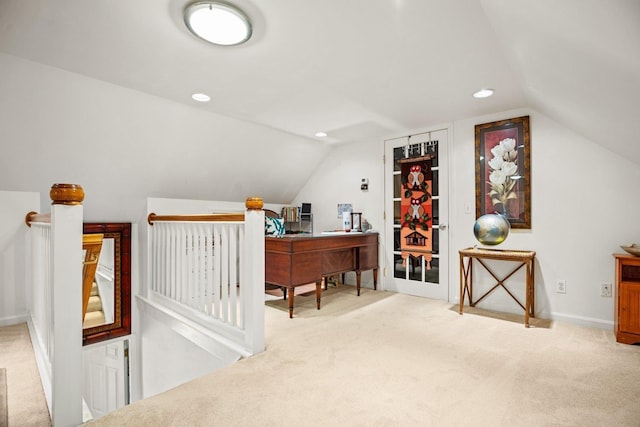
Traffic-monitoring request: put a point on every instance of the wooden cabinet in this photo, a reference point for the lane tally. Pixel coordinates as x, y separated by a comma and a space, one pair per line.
627, 302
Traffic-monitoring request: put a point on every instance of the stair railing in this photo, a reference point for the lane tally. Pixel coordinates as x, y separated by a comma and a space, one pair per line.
210, 269
55, 304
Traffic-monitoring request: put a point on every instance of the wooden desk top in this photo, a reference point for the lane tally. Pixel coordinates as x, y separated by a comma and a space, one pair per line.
303, 243
500, 254
303, 236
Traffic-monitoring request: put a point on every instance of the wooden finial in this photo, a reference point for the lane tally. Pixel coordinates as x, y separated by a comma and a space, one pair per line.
66, 194
254, 203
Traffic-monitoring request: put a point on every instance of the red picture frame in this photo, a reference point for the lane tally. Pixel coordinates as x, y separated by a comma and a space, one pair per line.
503, 170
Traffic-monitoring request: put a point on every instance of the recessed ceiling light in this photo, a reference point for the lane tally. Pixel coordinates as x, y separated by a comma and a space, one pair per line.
321, 134
201, 97
483, 93
217, 22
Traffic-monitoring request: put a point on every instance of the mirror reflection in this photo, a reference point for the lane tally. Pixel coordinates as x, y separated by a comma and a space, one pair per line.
101, 302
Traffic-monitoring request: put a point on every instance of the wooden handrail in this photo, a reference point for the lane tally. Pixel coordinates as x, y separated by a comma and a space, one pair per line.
252, 203
221, 217
37, 217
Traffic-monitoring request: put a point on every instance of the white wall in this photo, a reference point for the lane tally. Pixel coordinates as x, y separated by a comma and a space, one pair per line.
337, 180
584, 205
168, 359
14, 243
123, 146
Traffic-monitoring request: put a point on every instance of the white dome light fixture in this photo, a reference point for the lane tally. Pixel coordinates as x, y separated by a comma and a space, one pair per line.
483, 93
217, 22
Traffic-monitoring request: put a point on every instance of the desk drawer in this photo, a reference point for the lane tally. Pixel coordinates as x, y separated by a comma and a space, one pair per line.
338, 261
368, 257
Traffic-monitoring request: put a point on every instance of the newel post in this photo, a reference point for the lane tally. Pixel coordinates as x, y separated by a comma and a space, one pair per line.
253, 281
66, 360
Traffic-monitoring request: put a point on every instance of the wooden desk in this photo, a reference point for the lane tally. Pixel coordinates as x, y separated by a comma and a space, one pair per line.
525, 258
300, 260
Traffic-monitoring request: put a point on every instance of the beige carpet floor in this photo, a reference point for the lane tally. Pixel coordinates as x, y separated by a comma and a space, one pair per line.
385, 359
26, 403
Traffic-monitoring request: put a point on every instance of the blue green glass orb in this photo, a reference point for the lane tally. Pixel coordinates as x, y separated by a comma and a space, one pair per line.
491, 229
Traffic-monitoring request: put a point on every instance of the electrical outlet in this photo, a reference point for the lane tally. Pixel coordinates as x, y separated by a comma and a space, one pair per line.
561, 286
605, 289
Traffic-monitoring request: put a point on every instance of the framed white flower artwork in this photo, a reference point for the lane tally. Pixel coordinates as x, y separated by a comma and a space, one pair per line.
503, 170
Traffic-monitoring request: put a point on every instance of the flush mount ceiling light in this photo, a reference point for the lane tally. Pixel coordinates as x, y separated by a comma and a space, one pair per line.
217, 22
321, 134
483, 93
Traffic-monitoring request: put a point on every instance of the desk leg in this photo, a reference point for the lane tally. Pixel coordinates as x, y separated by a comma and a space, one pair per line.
528, 302
461, 285
318, 293
291, 293
358, 279
533, 289
375, 279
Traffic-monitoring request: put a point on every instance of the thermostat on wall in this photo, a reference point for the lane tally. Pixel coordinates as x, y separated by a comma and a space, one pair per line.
364, 185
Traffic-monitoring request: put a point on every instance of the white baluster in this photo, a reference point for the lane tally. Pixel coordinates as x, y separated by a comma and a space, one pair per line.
241, 274
217, 288
164, 259
181, 260
209, 270
200, 278
159, 258
233, 275
187, 254
224, 276
167, 268
153, 261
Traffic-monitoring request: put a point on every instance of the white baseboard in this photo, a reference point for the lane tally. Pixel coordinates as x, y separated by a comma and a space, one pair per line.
14, 320
583, 321
590, 322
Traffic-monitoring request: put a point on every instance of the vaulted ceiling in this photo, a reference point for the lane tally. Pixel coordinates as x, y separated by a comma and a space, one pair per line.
359, 69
